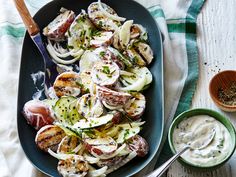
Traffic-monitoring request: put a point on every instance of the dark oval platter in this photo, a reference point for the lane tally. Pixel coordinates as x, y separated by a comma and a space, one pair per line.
31, 62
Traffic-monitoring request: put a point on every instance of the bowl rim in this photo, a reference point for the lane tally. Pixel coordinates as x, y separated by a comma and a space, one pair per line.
203, 111
214, 97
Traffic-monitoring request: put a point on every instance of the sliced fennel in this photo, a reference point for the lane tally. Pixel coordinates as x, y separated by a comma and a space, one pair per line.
124, 34
88, 59
136, 79
51, 51
97, 173
93, 122
126, 134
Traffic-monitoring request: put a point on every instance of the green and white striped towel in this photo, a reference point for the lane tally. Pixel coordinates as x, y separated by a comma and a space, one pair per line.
177, 21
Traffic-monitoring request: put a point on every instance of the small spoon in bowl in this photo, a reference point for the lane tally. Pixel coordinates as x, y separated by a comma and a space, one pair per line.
199, 144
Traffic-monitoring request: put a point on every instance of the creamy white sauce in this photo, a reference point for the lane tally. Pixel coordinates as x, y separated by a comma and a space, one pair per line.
198, 129
38, 79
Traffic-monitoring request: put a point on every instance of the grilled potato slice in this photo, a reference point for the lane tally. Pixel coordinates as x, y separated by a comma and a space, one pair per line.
103, 38
110, 162
138, 31
139, 145
57, 28
48, 137
111, 97
135, 57
146, 51
74, 165
136, 106
100, 20
105, 73
89, 106
67, 144
101, 146
79, 33
67, 84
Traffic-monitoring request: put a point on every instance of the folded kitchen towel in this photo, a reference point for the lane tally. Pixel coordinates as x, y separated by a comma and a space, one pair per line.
177, 22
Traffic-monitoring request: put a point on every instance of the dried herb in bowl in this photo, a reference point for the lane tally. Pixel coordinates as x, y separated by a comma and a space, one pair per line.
228, 95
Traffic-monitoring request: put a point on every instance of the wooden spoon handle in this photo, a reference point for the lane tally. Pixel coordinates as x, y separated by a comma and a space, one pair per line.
30, 24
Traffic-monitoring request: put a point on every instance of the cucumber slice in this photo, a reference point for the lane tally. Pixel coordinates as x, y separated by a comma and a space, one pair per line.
65, 110
94, 122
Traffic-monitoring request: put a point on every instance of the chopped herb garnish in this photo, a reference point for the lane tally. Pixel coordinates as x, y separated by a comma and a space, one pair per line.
95, 32
87, 90
82, 47
69, 34
102, 54
89, 103
106, 70
135, 59
221, 144
82, 33
100, 24
70, 47
81, 19
70, 152
79, 84
126, 133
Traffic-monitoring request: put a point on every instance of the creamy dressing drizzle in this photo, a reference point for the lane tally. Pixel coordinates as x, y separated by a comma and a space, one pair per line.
38, 79
199, 128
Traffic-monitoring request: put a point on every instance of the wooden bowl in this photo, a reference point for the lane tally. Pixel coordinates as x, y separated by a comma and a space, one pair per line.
222, 80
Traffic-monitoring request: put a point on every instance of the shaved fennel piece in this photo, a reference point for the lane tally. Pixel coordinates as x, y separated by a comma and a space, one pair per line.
51, 51
111, 107
57, 156
90, 159
77, 148
126, 73
61, 156
112, 155
122, 136
97, 173
122, 163
62, 55
133, 124
113, 17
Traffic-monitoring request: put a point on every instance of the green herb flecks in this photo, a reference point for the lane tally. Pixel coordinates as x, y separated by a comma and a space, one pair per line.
126, 134
100, 24
221, 144
102, 54
106, 70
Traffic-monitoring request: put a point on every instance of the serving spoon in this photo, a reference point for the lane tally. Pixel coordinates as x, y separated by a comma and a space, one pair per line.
196, 145
50, 68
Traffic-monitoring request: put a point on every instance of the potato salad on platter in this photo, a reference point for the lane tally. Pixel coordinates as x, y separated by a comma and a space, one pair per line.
92, 118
